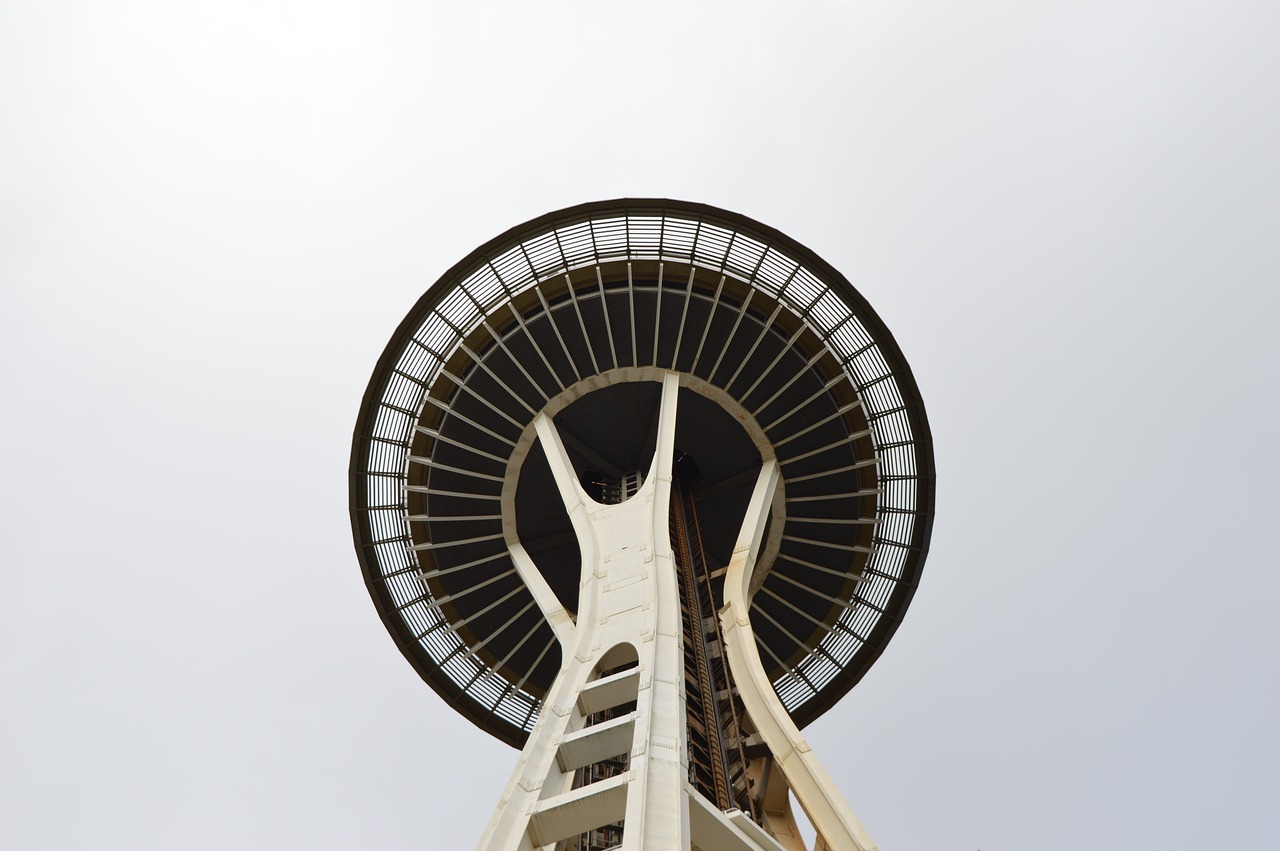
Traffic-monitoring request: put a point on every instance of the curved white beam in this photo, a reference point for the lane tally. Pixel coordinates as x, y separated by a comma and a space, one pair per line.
831, 817
574, 497
627, 598
561, 624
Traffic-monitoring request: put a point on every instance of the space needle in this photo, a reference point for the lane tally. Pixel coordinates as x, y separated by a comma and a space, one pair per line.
641, 488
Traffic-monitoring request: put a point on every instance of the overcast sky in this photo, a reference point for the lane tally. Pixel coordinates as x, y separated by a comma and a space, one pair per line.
213, 216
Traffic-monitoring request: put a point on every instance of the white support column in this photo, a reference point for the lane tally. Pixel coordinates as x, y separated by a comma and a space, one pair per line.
628, 595
837, 827
628, 598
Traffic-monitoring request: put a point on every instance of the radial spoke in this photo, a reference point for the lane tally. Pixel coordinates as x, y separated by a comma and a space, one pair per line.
657, 317
845, 495
479, 361
631, 295
711, 315
785, 387
746, 303
742, 364
586, 339
501, 344
497, 632
551, 320
436, 435
847, 439
782, 352
449, 411
870, 462
608, 325
790, 671
435, 465
816, 648
432, 574
534, 343
430, 545
461, 494
839, 412
684, 315
795, 409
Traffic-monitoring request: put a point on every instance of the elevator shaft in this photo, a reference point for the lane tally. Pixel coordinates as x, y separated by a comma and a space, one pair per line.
717, 759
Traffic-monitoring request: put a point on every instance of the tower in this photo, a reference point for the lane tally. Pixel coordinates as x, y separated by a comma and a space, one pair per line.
641, 488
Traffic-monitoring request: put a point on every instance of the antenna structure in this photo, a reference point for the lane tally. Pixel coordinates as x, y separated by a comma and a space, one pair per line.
642, 487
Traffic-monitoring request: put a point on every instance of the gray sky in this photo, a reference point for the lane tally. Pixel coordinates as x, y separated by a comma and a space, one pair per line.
212, 217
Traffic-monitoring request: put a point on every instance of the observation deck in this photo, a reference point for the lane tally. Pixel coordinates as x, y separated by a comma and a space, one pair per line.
579, 314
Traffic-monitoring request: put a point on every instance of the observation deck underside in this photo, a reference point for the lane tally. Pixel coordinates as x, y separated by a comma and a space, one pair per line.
577, 314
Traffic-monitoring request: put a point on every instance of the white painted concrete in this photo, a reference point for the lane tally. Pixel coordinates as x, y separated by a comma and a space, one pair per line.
628, 599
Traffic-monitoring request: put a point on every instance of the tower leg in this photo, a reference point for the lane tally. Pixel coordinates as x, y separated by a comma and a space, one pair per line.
610, 745
620, 690
837, 827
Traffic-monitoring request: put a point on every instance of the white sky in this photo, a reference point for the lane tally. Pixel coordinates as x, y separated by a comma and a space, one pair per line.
213, 215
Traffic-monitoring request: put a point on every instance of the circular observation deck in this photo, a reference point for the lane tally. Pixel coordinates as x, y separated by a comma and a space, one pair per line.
579, 313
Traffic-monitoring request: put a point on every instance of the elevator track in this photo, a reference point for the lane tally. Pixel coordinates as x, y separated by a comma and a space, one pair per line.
717, 757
